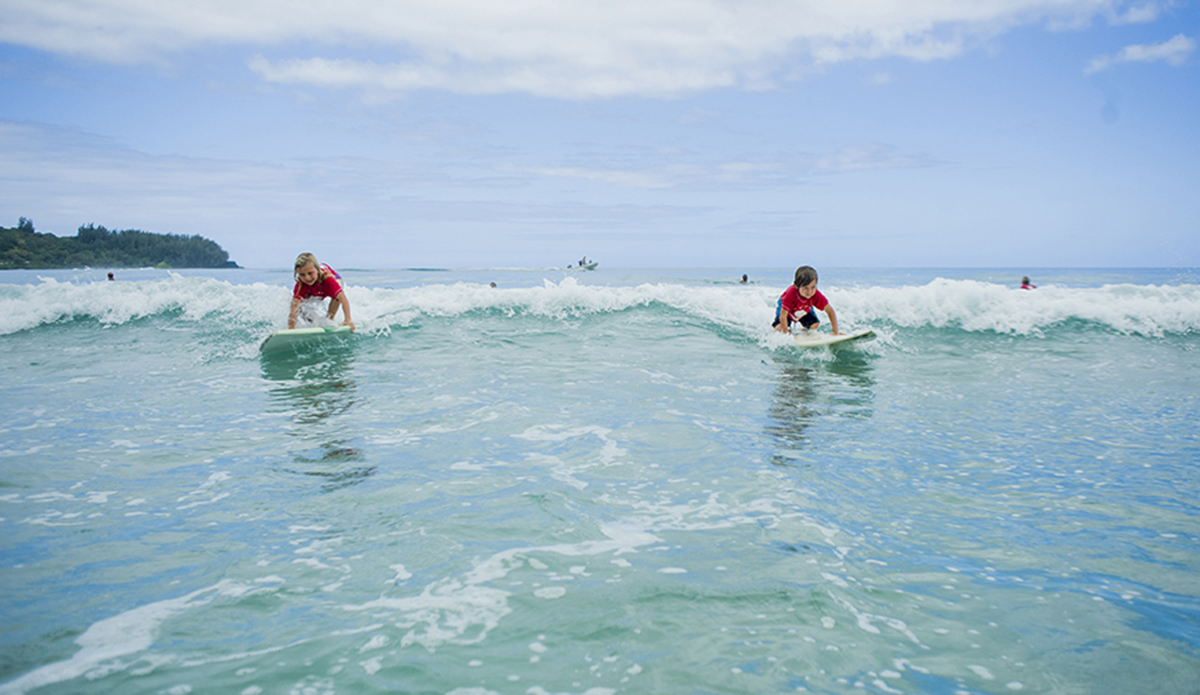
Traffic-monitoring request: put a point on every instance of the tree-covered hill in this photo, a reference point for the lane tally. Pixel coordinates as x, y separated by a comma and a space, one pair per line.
22, 247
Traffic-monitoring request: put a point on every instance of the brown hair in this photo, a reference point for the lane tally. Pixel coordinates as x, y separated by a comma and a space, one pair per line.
805, 275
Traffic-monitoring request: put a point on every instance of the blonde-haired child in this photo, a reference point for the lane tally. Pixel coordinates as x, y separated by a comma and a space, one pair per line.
315, 279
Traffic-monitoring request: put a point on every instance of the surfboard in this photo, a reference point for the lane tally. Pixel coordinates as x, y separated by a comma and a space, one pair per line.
297, 337
809, 339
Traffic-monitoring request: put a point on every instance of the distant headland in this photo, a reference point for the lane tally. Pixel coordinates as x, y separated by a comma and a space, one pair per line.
23, 248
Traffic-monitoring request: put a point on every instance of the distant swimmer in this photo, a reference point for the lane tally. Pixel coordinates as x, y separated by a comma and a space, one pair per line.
745, 278
799, 303
316, 280
110, 276
1025, 284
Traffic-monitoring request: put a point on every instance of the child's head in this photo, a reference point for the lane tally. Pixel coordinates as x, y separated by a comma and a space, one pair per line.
302, 271
806, 281
805, 275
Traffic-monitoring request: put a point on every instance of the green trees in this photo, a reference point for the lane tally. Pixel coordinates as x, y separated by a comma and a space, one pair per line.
24, 247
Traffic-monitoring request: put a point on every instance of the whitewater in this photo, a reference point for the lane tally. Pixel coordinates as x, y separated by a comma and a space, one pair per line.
590, 483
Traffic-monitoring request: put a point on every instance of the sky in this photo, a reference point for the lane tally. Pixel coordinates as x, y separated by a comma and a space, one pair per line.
639, 133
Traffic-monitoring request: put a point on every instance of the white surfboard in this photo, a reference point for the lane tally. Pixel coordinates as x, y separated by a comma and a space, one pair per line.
296, 337
807, 339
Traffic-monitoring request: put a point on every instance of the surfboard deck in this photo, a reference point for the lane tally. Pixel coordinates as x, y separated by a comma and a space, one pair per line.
809, 339
295, 337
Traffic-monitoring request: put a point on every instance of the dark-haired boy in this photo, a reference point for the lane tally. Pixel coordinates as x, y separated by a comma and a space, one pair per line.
799, 303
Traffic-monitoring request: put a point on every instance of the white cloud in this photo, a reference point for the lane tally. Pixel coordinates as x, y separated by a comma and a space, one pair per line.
1138, 14
869, 157
623, 179
725, 175
787, 171
1173, 52
555, 48
62, 179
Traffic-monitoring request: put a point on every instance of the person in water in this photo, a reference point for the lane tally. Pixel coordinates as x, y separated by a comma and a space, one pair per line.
1025, 285
317, 280
800, 302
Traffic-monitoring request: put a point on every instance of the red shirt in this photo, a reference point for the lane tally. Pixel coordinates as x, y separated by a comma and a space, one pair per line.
327, 286
797, 306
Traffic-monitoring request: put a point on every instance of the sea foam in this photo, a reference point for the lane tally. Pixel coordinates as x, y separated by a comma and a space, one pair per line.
965, 305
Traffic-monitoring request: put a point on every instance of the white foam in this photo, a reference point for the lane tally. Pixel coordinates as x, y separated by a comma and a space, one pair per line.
133, 631
965, 304
978, 306
195, 298
401, 574
463, 610
609, 453
448, 611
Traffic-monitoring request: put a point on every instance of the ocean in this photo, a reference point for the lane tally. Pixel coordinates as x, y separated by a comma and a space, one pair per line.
590, 483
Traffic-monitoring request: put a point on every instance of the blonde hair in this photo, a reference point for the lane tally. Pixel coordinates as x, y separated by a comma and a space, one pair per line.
308, 259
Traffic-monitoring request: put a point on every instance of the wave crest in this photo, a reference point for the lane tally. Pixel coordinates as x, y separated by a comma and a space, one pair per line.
977, 306
964, 305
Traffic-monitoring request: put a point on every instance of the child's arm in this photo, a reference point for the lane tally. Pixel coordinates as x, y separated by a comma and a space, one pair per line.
832, 318
343, 301
785, 319
292, 313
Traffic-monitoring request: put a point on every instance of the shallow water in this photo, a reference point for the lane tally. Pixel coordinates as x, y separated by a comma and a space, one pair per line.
606, 482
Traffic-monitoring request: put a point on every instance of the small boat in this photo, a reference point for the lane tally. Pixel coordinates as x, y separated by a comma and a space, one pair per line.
590, 265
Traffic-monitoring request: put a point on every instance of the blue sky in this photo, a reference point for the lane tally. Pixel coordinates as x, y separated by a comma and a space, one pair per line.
668, 133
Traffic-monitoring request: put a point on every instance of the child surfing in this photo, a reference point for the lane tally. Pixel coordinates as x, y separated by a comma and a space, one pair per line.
315, 280
800, 302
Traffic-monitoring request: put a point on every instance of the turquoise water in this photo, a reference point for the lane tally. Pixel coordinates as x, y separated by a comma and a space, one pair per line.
618, 481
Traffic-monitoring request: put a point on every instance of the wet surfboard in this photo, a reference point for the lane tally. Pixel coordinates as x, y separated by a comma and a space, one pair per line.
808, 339
301, 337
